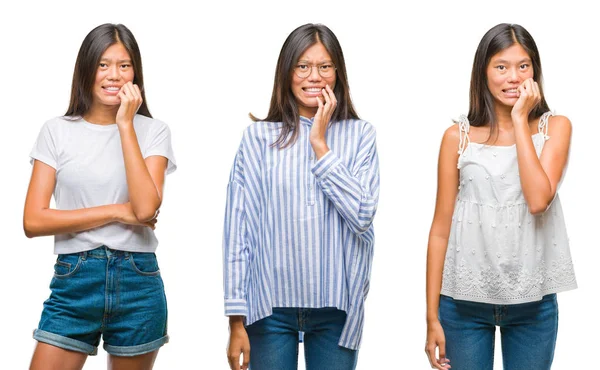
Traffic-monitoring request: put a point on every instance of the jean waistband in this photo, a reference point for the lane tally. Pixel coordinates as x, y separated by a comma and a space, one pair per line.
104, 252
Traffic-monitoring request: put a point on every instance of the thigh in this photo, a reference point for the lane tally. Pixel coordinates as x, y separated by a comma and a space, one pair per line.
140, 362
322, 331
469, 330
49, 357
274, 341
529, 334
136, 314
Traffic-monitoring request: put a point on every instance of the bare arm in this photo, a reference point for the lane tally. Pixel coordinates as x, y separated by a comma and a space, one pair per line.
539, 176
145, 187
438, 242
40, 220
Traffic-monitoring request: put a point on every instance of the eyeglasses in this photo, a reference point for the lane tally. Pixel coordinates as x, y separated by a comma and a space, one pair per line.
326, 70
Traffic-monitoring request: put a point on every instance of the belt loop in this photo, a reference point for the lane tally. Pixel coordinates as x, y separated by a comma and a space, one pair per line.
83, 255
126, 254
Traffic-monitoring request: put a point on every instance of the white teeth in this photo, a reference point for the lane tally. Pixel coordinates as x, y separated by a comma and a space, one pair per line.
313, 89
112, 88
511, 91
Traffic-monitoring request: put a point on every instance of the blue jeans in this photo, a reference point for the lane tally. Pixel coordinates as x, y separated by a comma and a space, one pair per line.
528, 333
103, 292
274, 340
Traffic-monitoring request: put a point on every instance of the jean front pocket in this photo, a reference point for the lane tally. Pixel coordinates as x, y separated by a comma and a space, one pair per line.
144, 264
67, 265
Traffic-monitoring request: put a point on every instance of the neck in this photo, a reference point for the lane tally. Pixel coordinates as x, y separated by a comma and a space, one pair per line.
306, 112
503, 117
102, 114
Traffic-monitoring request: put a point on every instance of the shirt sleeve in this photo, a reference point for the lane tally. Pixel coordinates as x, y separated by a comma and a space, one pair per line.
159, 143
354, 192
44, 149
235, 247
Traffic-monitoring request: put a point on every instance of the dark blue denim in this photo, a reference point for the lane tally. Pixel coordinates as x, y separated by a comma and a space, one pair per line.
274, 340
528, 333
103, 292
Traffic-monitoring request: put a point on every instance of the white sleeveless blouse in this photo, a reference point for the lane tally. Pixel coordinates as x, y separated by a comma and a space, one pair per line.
498, 252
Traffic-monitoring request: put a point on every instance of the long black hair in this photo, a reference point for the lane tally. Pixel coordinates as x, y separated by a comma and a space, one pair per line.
498, 38
284, 107
93, 46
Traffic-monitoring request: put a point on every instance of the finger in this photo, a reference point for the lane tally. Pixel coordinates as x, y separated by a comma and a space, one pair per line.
538, 93
329, 107
431, 357
319, 109
122, 96
130, 91
246, 358
234, 362
331, 96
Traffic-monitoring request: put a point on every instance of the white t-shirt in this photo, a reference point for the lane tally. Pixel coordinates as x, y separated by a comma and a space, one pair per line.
90, 172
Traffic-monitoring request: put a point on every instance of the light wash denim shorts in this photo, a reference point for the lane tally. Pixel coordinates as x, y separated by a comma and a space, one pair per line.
106, 293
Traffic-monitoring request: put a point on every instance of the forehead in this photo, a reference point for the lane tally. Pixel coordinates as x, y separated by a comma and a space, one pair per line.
511, 53
116, 51
316, 52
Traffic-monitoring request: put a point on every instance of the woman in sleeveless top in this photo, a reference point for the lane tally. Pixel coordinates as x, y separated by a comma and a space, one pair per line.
105, 161
298, 235
498, 249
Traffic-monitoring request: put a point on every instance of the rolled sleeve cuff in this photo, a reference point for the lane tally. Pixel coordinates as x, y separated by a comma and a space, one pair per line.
236, 307
325, 165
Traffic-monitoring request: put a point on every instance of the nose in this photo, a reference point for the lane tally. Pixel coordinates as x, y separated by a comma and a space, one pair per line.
513, 75
314, 74
114, 73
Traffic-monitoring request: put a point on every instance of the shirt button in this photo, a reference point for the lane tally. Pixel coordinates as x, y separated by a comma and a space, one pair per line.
311, 157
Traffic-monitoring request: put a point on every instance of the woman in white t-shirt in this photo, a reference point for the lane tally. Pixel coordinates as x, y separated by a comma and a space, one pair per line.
105, 161
498, 248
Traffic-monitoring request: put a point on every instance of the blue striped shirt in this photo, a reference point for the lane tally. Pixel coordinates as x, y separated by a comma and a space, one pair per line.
298, 231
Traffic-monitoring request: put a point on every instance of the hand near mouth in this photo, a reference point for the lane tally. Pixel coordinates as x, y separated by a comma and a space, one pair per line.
321, 121
529, 97
131, 99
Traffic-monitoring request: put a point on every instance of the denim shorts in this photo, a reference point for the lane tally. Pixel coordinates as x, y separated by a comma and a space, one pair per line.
103, 292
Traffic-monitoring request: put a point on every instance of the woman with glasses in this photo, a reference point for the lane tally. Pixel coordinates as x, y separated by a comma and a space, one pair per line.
105, 161
298, 239
498, 248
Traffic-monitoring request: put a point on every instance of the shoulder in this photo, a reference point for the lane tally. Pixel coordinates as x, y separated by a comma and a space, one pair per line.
365, 128
559, 124
452, 134
260, 130
143, 122
60, 123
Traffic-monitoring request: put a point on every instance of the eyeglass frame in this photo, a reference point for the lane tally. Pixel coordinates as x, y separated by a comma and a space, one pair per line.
318, 71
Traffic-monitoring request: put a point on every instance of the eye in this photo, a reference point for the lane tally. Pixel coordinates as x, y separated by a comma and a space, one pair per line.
325, 67
125, 66
524, 66
302, 67
103, 65
501, 68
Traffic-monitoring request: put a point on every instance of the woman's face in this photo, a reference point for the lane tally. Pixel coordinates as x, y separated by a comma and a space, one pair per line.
307, 90
114, 71
507, 70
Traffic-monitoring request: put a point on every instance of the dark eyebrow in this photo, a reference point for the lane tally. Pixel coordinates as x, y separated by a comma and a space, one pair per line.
322, 62
502, 61
118, 61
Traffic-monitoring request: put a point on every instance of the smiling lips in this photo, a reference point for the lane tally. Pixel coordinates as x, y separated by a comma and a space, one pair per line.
111, 90
313, 91
511, 93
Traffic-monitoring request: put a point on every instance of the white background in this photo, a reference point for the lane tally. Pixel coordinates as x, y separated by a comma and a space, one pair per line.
207, 66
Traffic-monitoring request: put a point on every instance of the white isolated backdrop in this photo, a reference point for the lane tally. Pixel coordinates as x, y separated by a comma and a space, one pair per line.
207, 64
